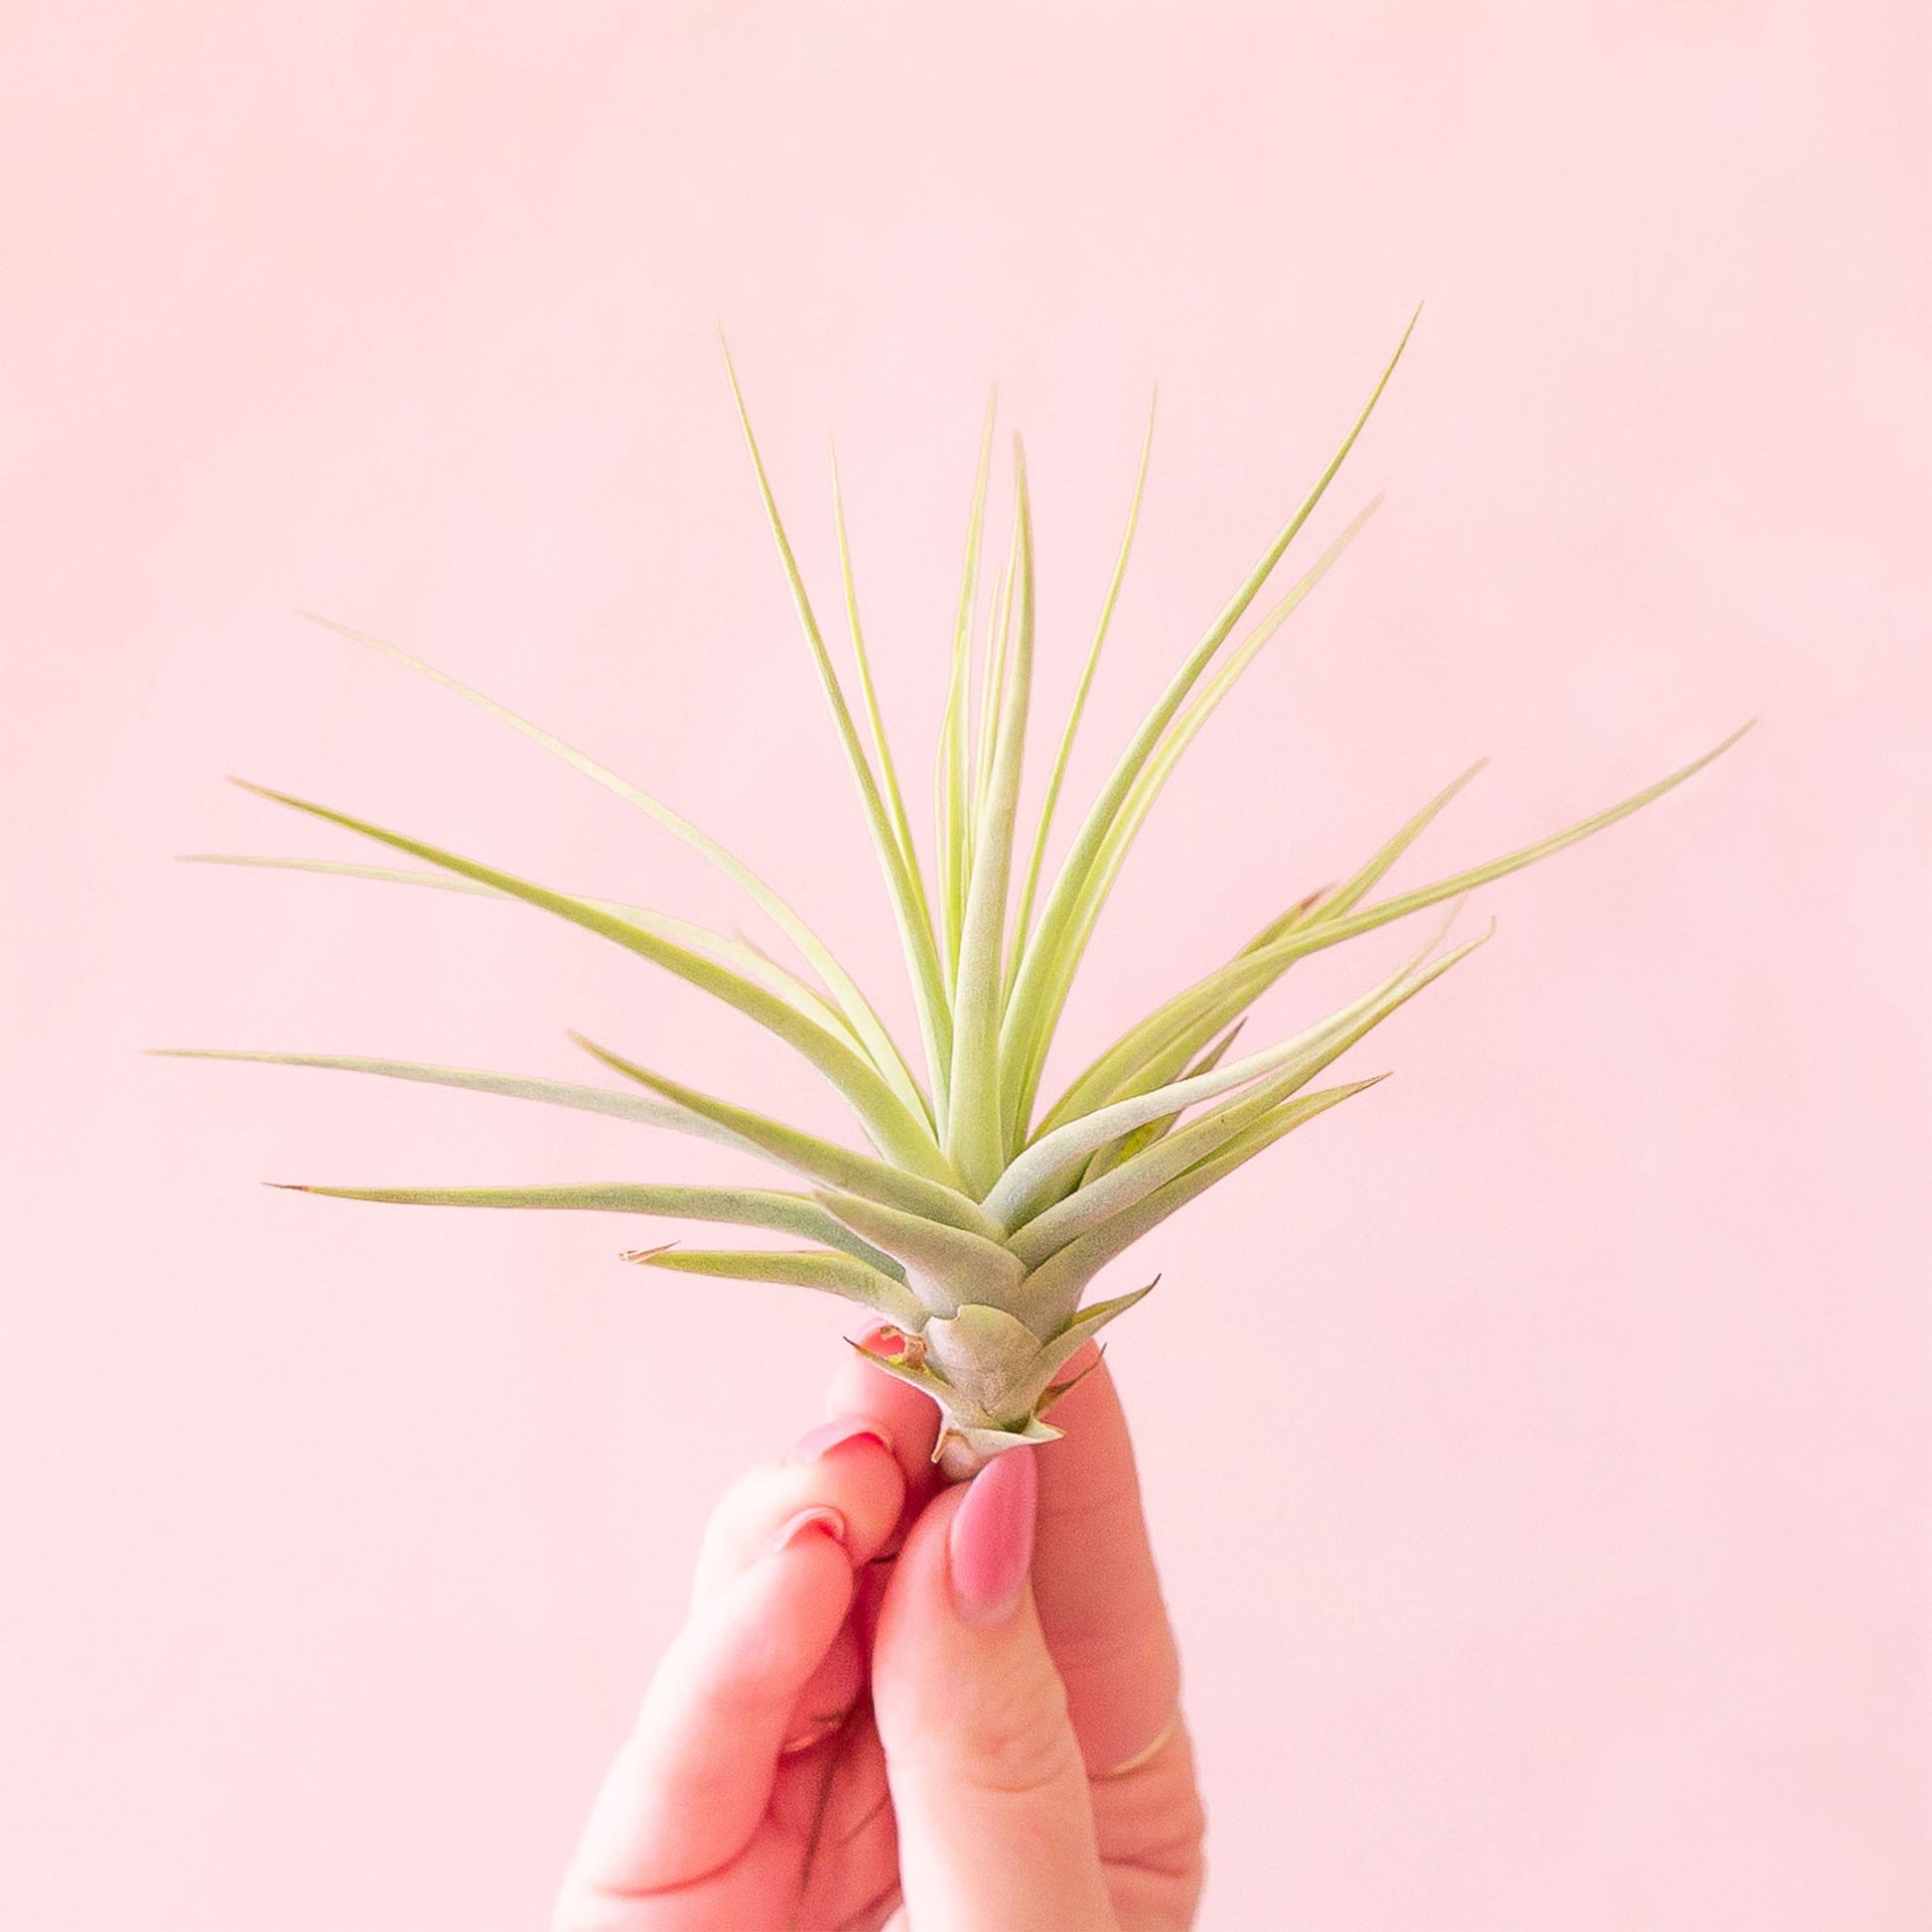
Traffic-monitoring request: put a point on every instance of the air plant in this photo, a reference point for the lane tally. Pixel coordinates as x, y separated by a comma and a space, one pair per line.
980, 1216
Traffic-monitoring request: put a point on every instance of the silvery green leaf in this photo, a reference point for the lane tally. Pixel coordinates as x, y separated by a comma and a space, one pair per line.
806, 1154
944, 1265
740, 954
1243, 978
974, 1140
1030, 1015
1031, 1182
1099, 1201
830, 1274
898, 1130
1053, 1288
647, 1111
908, 901
750, 1207
1023, 919
1084, 909
851, 1000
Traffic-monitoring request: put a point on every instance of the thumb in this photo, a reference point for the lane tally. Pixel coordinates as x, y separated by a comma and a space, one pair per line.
995, 1824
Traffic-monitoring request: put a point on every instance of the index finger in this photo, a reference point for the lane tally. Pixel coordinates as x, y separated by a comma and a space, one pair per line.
1094, 1578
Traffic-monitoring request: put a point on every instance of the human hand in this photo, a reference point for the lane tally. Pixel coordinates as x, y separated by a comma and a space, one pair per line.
945, 1739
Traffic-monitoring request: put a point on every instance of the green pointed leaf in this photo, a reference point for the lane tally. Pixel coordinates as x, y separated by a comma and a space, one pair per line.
1085, 911
1023, 919
647, 1112
738, 953
894, 1128
1330, 901
336, 868
952, 813
1338, 899
1297, 915
830, 1274
1056, 1392
1054, 1288
864, 1021
1202, 706
1030, 1016
1098, 1201
973, 1133
992, 670
1056, 1353
915, 927
1232, 987
1462, 881
1115, 1152
826, 1161
1032, 1180
750, 1207
909, 1367
875, 718
946, 1267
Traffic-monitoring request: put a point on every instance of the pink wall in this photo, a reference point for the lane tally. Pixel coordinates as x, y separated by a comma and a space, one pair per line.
1537, 1449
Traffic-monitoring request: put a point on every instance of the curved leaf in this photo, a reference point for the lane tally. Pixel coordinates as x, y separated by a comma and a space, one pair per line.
830, 1274
898, 1131
974, 1140
740, 954
1023, 919
806, 1154
1028, 1023
875, 718
647, 1112
951, 813
865, 1023
750, 1207
1054, 1288
946, 1267
1208, 1001
909, 907
1031, 1182
1087, 905
1115, 1152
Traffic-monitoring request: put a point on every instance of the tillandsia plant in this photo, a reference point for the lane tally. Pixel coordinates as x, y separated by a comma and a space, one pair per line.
980, 1217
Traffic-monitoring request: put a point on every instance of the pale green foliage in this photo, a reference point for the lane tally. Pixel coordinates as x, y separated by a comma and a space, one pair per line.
979, 1219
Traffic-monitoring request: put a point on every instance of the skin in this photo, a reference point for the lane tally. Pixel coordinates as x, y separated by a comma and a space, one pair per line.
960, 1766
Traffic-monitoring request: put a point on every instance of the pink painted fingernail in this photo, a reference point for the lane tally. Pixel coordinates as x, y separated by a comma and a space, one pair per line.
796, 1528
990, 1545
828, 1436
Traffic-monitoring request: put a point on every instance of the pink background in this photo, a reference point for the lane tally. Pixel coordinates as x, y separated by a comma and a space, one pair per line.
1537, 1449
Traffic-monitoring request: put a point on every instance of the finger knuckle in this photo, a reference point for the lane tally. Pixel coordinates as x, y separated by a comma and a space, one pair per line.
1016, 1739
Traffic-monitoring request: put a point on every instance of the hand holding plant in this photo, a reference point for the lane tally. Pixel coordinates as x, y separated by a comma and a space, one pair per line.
972, 1729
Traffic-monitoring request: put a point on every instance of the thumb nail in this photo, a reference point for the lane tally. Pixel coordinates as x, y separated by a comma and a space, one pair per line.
990, 1545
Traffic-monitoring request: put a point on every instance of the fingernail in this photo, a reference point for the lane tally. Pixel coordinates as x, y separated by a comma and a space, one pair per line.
827, 1437
990, 1545
814, 1734
796, 1528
